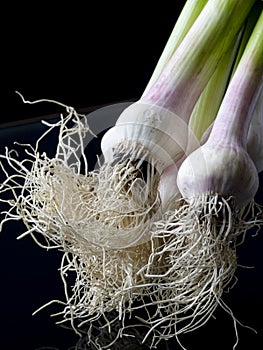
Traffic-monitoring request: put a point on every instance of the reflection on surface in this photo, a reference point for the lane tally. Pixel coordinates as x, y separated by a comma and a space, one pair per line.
109, 336
97, 336
47, 348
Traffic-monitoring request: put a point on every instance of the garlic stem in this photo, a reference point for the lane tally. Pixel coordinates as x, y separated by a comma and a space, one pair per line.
188, 15
193, 63
197, 123
236, 111
209, 102
216, 167
163, 112
250, 23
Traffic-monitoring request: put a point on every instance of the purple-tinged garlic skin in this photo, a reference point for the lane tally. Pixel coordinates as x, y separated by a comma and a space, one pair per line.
227, 171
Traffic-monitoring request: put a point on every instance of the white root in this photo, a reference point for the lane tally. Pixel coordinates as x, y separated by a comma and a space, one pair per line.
81, 214
118, 254
197, 264
106, 208
174, 283
41, 188
103, 283
125, 202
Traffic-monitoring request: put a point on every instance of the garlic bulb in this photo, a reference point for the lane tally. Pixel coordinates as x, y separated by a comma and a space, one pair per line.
162, 134
217, 170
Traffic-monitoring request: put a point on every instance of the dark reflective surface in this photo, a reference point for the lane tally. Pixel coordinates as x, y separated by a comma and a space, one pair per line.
30, 278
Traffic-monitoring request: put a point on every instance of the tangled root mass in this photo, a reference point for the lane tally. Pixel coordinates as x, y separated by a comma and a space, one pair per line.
169, 272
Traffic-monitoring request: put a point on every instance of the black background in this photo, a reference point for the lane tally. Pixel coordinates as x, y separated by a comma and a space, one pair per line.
86, 54
79, 53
